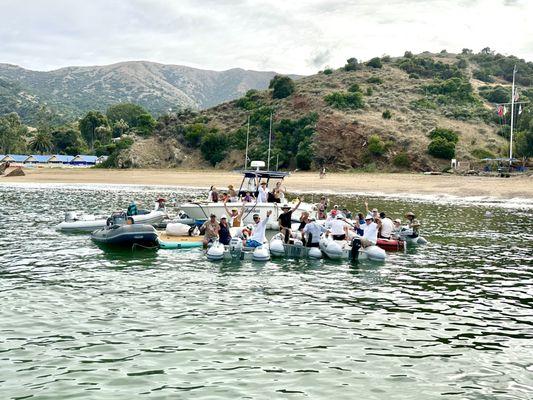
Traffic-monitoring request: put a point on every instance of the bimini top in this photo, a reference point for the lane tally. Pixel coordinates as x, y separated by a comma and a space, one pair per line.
264, 174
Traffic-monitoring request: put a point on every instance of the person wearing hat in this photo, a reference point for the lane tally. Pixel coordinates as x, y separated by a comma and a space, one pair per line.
224, 235
347, 213
235, 217
413, 224
375, 213
387, 226
370, 231
397, 228
313, 232
210, 229
285, 219
258, 236
262, 193
160, 204
337, 227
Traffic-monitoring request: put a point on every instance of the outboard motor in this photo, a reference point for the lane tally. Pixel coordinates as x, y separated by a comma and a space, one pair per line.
235, 247
70, 216
356, 245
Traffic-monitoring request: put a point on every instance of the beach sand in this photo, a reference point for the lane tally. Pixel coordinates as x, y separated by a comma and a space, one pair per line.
365, 183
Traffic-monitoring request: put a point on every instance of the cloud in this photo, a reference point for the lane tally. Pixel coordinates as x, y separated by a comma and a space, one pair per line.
288, 37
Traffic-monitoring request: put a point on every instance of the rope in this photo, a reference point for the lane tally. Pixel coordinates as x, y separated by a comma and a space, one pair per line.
143, 247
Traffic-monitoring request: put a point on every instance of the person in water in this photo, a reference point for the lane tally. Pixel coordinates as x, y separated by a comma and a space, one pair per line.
224, 235
413, 224
210, 229
235, 217
285, 219
132, 209
259, 233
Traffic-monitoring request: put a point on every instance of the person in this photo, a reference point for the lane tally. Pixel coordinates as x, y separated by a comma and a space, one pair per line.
347, 213
413, 224
160, 204
210, 229
313, 231
130, 221
278, 193
132, 209
285, 219
224, 197
334, 212
262, 194
397, 228
370, 231
248, 198
375, 213
304, 220
212, 197
387, 226
337, 227
235, 217
233, 197
321, 206
224, 235
258, 234
361, 218
322, 173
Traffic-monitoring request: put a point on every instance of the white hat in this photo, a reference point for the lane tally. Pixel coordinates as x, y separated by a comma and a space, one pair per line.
398, 220
369, 216
340, 216
223, 217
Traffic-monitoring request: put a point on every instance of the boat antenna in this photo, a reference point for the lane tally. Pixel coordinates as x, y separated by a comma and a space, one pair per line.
247, 137
269, 141
512, 118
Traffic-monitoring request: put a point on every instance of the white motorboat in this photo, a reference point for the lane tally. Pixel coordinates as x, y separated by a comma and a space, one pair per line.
201, 210
89, 223
406, 235
295, 249
236, 251
342, 250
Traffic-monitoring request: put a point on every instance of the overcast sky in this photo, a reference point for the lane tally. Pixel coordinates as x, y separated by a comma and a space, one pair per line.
289, 36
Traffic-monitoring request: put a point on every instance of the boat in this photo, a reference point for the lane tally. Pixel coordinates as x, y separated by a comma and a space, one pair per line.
88, 223
342, 250
391, 244
405, 235
168, 242
201, 210
118, 233
236, 251
295, 249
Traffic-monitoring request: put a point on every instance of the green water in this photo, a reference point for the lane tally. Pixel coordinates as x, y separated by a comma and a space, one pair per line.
453, 319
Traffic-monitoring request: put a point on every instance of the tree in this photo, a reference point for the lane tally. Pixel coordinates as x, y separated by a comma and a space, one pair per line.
103, 134
68, 141
128, 112
88, 125
487, 51
441, 148
466, 51
282, 86
446, 134
11, 133
119, 128
41, 143
145, 124
214, 147
351, 64
375, 63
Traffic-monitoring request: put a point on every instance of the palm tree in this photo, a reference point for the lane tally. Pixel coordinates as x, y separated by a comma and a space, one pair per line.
41, 143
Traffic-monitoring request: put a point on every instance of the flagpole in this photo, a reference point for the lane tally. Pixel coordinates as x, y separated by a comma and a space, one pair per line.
512, 119
247, 136
269, 142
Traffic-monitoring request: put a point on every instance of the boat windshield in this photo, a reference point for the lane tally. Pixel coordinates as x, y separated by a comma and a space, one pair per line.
252, 179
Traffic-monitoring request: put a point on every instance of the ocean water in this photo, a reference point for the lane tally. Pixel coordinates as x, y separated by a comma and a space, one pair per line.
452, 319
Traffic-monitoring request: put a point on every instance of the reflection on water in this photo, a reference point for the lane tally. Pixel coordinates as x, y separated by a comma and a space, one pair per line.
453, 318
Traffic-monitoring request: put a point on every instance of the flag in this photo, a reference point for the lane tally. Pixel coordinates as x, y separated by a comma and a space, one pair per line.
504, 110
519, 109
516, 96
499, 111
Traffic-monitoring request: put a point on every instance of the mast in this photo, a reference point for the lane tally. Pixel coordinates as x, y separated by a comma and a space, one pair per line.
247, 137
512, 119
269, 142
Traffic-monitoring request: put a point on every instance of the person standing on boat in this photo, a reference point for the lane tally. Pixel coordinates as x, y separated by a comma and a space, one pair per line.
285, 219
375, 213
212, 197
322, 208
414, 225
233, 197
279, 192
387, 226
337, 227
224, 235
132, 209
235, 217
259, 233
313, 231
370, 231
304, 220
210, 229
262, 194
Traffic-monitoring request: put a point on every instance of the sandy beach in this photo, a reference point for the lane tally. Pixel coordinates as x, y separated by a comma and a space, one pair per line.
371, 183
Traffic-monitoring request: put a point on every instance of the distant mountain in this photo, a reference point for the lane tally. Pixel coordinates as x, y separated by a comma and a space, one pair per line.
72, 91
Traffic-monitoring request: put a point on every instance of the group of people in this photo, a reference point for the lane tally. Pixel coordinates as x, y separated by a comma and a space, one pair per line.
259, 193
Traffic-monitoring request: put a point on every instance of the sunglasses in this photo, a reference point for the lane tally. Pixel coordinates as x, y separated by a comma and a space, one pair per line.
256, 217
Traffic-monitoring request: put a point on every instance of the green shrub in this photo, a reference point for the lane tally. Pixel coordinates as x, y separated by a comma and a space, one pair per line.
446, 134
376, 146
375, 79
483, 76
482, 153
408, 54
328, 71
375, 63
462, 63
386, 114
412, 75
401, 160
194, 133
354, 87
214, 147
428, 68
351, 64
282, 86
457, 89
386, 59
250, 101
423, 104
497, 94
345, 100
441, 148
369, 91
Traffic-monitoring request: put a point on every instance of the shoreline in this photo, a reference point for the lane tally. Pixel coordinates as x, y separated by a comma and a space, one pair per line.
404, 185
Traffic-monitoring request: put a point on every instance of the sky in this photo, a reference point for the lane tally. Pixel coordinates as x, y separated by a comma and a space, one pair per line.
287, 36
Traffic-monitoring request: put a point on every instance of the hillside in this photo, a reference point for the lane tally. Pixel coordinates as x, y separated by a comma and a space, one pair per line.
72, 91
403, 100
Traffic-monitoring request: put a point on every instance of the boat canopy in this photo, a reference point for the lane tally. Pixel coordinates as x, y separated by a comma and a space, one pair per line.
264, 174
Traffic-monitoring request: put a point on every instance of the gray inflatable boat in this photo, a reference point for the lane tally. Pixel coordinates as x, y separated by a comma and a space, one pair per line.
119, 232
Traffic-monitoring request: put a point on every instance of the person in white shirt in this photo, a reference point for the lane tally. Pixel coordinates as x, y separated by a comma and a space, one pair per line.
262, 194
314, 231
338, 228
387, 226
259, 232
370, 231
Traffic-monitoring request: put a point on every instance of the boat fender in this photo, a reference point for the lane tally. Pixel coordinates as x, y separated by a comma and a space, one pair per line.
356, 245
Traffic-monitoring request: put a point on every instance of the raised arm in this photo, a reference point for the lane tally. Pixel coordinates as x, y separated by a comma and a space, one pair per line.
297, 205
